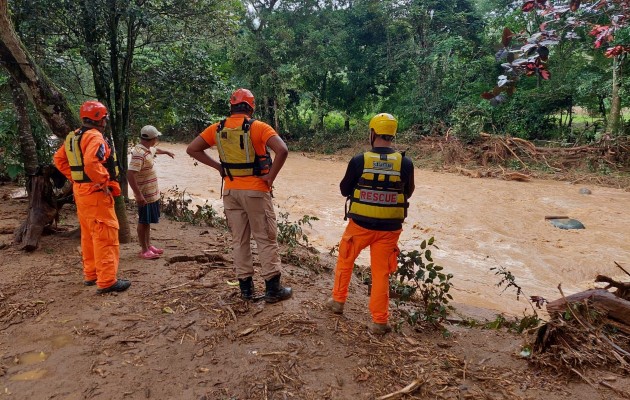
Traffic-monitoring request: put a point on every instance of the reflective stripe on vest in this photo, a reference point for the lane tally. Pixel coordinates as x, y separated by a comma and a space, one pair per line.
236, 151
72, 145
378, 196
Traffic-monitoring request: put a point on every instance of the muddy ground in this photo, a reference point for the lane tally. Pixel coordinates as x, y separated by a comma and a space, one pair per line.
181, 332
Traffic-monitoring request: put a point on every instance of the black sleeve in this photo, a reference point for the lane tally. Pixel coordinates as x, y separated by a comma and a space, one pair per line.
353, 173
407, 176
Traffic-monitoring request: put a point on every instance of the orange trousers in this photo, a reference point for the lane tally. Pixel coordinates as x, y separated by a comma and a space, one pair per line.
383, 261
99, 237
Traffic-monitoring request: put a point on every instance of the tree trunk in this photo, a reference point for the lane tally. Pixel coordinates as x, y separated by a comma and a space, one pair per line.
276, 123
602, 106
41, 211
614, 118
25, 134
111, 72
48, 101
28, 80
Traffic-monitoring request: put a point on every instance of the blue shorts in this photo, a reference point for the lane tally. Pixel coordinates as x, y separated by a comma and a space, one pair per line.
149, 213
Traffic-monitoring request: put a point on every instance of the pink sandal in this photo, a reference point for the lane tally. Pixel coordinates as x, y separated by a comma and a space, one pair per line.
148, 255
156, 250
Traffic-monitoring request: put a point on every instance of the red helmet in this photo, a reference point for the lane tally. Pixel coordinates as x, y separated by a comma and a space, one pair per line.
94, 110
243, 96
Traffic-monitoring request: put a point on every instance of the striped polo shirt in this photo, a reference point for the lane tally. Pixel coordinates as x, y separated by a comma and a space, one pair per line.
142, 162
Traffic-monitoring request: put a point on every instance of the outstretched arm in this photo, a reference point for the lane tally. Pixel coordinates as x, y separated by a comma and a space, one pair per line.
168, 153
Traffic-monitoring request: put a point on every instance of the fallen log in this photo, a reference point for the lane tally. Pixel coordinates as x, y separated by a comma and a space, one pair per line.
611, 306
623, 288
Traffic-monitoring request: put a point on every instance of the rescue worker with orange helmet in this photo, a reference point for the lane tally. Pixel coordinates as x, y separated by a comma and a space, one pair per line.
88, 159
248, 174
377, 185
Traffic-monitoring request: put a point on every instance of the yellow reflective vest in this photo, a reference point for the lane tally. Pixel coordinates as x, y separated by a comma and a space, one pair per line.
378, 196
72, 146
236, 151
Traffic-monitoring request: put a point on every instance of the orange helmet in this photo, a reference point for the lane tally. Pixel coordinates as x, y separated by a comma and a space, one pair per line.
94, 110
243, 96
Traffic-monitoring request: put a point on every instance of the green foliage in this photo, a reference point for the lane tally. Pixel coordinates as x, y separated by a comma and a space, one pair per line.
291, 233
528, 321
518, 325
11, 157
419, 277
318, 69
507, 279
177, 207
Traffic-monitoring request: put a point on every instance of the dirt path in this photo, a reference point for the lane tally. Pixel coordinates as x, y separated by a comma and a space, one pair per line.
478, 224
181, 332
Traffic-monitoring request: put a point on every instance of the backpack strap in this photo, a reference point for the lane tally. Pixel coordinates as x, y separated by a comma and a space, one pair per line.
247, 123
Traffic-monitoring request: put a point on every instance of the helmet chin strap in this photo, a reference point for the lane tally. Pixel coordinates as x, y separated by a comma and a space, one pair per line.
372, 137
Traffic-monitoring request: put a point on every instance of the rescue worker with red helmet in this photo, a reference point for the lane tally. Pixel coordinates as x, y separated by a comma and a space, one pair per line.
88, 159
377, 185
248, 174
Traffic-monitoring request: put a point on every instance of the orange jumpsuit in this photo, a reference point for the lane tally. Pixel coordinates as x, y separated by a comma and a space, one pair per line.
95, 209
383, 261
381, 237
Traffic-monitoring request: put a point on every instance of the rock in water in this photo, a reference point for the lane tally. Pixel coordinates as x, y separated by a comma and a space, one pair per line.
567, 223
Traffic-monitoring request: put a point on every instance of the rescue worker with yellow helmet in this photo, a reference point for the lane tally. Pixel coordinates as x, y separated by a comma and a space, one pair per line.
87, 158
377, 185
248, 174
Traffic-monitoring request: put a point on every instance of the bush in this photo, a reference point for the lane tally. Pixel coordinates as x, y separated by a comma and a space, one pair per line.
419, 278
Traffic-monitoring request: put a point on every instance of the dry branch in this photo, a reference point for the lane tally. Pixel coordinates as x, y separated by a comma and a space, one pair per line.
406, 390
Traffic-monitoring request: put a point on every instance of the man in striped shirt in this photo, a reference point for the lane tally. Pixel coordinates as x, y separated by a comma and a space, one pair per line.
143, 181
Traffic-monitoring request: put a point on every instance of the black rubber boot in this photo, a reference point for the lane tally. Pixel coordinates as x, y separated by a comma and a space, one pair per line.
274, 292
247, 288
120, 286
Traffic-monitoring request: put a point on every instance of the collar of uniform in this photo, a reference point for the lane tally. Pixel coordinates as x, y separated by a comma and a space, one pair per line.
143, 147
383, 150
239, 116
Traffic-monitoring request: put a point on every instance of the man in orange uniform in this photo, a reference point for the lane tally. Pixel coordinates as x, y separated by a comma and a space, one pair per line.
248, 173
89, 162
377, 184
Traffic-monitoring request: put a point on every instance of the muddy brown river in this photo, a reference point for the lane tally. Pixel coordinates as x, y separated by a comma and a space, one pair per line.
478, 224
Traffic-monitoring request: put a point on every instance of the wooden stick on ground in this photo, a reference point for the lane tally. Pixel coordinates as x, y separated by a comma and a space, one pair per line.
175, 287
621, 268
513, 153
622, 393
406, 390
585, 379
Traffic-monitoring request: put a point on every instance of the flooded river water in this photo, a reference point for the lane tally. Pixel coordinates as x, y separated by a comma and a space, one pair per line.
478, 224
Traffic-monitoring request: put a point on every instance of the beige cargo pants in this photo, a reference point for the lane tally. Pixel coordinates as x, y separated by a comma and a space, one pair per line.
250, 213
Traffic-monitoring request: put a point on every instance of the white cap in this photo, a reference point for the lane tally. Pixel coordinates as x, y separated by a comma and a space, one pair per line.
149, 132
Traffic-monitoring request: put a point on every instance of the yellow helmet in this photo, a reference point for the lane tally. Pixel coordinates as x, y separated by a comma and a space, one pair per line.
384, 124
